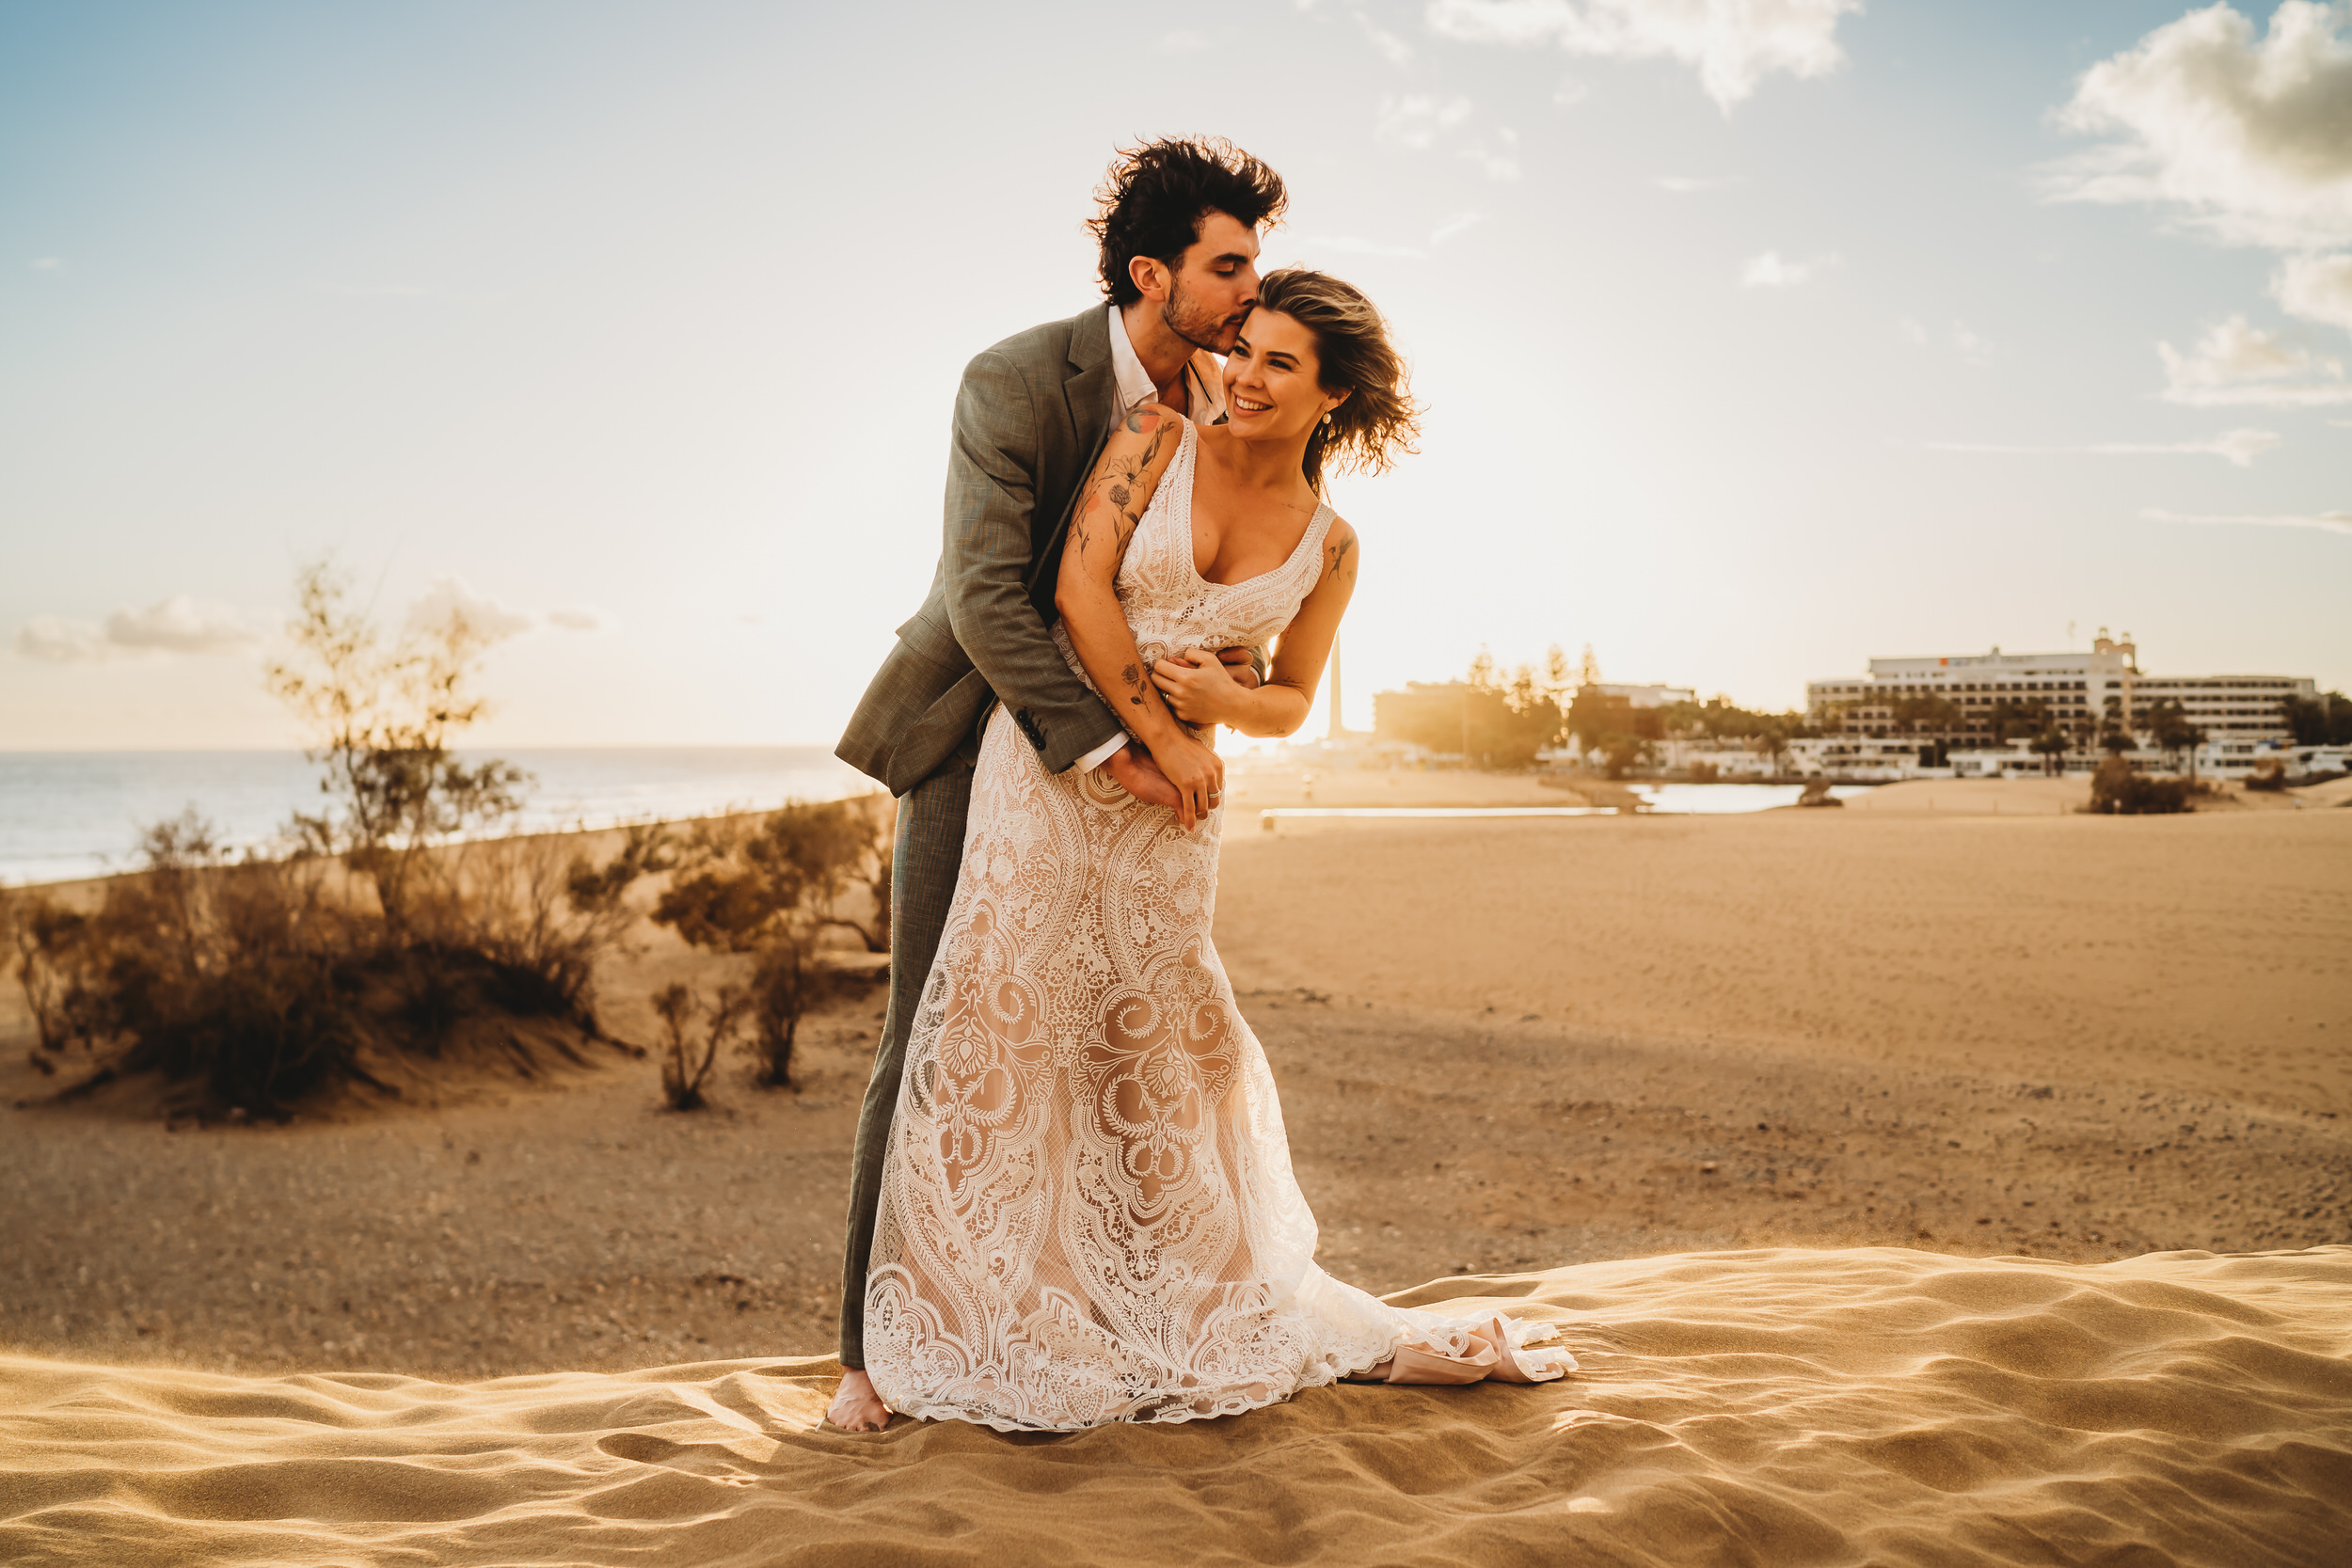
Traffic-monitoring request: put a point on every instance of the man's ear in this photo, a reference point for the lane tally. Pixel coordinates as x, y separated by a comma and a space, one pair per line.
1149, 275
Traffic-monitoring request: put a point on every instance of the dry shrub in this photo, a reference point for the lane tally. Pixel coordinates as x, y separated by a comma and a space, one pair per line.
684, 1066
253, 984
2116, 791
785, 984
767, 888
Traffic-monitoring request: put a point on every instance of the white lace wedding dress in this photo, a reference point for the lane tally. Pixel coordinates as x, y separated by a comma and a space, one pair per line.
1088, 1213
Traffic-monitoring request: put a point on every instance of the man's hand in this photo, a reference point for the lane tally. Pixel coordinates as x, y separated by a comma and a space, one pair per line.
1236, 662
1199, 687
1140, 776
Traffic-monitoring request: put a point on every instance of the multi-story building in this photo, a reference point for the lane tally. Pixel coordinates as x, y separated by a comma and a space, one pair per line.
2074, 692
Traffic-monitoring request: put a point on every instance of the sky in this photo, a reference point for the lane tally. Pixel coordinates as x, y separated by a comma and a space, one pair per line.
1758, 338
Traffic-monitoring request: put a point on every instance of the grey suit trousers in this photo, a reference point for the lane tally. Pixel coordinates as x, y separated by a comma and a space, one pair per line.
921, 886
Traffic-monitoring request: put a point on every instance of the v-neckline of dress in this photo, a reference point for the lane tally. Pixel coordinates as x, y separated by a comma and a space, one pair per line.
1192, 562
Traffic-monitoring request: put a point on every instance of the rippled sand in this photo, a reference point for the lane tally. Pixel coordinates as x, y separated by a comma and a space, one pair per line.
1872, 1405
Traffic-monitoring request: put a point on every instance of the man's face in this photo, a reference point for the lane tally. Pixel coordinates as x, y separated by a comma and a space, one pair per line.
1215, 284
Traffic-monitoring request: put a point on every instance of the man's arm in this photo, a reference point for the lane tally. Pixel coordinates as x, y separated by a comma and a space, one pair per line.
991, 493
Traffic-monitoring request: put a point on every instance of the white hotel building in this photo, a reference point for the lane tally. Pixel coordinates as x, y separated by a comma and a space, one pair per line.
2240, 714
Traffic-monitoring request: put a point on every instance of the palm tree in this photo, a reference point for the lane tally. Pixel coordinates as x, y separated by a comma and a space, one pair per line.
2052, 744
2170, 727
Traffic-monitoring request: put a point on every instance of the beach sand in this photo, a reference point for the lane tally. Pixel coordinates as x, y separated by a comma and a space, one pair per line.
1777, 1105
1877, 1405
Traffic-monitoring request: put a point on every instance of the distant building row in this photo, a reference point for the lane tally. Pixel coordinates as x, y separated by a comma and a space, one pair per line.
1968, 702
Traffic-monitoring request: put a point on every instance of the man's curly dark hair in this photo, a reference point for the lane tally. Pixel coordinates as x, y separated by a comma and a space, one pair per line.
1152, 200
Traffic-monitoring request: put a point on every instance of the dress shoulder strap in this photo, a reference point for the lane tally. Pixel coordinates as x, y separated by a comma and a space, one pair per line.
1172, 504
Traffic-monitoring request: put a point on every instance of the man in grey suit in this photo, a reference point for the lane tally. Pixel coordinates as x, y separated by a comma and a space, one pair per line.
1178, 228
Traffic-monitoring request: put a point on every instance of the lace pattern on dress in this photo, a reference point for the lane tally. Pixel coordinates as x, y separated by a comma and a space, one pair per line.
1088, 1210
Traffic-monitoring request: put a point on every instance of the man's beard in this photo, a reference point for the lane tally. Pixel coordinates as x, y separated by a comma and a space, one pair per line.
1199, 327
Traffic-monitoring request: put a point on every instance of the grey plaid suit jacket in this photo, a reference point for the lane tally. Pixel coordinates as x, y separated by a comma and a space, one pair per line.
1031, 417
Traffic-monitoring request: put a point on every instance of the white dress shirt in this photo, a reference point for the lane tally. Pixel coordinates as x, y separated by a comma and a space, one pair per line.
1205, 403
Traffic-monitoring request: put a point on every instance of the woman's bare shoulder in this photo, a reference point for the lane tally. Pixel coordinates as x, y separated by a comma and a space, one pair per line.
1339, 551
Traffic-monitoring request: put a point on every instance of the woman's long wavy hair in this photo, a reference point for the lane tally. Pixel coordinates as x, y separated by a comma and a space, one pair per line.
1380, 420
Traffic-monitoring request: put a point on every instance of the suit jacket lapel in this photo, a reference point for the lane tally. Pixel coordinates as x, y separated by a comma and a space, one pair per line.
1088, 388
1087, 392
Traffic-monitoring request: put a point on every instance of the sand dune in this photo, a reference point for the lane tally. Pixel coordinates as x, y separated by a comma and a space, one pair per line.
1875, 1405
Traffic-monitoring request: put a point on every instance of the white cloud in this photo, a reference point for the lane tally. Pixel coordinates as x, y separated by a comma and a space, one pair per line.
2317, 288
1773, 270
2239, 447
580, 618
1685, 184
54, 639
2331, 522
1570, 93
178, 625
450, 598
1458, 224
1183, 40
1392, 49
1734, 43
1973, 347
1497, 165
47, 263
1415, 119
2236, 365
2249, 138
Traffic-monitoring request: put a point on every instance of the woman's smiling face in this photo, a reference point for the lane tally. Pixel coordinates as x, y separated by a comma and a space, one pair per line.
1271, 387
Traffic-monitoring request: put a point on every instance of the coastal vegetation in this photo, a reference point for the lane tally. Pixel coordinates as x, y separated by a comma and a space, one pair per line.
771, 889
2118, 791
387, 930
1502, 718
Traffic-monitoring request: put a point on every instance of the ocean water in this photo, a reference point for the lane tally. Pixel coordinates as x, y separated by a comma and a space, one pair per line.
65, 814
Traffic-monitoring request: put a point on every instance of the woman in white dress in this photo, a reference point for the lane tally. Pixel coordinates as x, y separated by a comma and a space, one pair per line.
1088, 1212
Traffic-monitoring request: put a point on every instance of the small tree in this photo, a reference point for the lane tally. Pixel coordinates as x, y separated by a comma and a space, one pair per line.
684, 1066
2170, 728
785, 985
2322, 720
2116, 790
1926, 715
765, 890
1624, 753
257, 982
2052, 746
382, 717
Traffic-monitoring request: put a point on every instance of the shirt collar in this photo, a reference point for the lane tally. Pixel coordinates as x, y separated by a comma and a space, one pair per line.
1135, 387
1135, 383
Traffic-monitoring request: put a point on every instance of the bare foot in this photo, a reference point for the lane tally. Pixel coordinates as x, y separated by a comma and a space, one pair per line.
855, 1405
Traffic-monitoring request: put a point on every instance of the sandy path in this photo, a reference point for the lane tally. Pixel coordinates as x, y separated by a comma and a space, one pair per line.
1878, 1406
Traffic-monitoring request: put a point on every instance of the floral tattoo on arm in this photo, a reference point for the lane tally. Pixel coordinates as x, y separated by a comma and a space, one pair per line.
1118, 483
1108, 514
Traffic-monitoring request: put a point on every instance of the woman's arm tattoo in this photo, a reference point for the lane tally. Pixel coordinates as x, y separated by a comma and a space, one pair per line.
1342, 556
